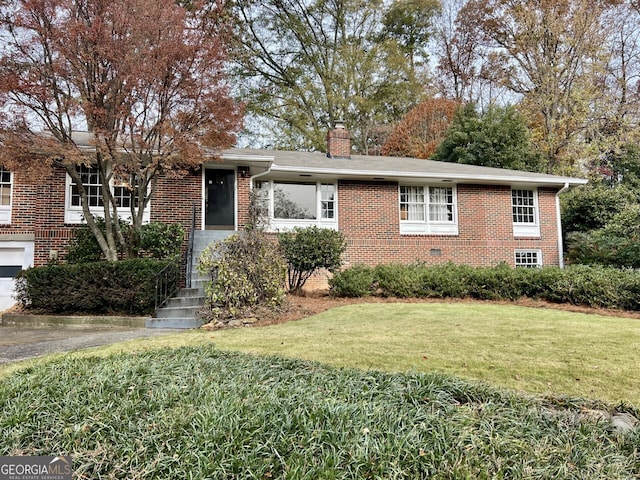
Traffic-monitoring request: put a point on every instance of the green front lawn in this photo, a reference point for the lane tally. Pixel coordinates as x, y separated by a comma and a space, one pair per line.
533, 350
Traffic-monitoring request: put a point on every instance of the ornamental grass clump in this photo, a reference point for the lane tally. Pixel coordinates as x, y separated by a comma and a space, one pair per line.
201, 413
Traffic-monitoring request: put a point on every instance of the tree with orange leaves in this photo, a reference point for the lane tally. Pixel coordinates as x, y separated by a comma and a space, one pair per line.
144, 78
421, 130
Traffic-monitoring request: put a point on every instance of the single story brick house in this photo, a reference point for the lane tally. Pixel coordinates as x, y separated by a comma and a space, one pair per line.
390, 209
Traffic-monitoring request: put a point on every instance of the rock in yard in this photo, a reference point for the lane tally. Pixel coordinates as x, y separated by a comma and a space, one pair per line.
623, 423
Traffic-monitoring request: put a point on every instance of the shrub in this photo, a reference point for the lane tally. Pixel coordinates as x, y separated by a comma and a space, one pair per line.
540, 283
155, 240
617, 244
83, 246
126, 287
356, 281
495, 283
307, 250
593, 206
247, 271
161, 240
449, 280
397, 280
597, 286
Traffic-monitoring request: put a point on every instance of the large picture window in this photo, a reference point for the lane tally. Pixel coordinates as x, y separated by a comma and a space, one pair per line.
524, 209
294, 201
428, 210
290, 204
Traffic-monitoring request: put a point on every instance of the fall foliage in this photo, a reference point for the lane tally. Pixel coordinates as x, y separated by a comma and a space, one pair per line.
547, 53
421, 130
144, 78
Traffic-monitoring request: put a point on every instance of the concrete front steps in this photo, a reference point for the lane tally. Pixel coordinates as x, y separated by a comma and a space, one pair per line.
181, 311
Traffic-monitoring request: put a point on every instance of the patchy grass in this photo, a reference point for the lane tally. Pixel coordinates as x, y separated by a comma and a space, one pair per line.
197, 412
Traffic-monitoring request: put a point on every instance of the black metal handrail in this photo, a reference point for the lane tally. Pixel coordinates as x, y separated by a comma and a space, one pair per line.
167, 282
189, 256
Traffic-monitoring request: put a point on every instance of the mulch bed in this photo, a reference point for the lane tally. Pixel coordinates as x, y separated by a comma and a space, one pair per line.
311, 303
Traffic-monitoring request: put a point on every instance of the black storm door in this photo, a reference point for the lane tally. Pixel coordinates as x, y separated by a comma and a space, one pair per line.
219, 199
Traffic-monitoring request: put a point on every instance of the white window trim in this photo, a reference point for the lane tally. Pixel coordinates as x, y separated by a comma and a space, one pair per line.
75, 215
426, 226
282, 224
5, 210
521, 229
537, 251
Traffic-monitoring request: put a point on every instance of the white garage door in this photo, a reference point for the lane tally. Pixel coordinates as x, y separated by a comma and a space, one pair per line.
14, 256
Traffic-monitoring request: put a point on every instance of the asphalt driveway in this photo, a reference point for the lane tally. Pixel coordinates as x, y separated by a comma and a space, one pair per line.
23, 342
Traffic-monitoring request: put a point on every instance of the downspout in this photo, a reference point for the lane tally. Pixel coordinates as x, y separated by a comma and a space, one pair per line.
559, 220
258, 175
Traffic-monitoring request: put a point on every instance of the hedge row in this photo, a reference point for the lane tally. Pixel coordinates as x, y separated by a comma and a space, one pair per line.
579, 284
124, 287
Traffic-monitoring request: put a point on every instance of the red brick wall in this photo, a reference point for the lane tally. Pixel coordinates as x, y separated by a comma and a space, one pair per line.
242, 192
38, 211
51, 234
369, 217
25, 196
339, 143
44, 216
175, 198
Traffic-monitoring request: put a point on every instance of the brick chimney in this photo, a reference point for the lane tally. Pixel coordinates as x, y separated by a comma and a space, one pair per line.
338, 142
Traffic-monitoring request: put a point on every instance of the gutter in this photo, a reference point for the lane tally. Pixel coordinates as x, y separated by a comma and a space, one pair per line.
454, 177
559, 228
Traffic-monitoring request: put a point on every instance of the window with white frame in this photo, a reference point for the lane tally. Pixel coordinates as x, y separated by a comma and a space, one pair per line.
327, 201
528, 258
428, 210
289, 204
441, 204
524, 209
261, 197
92, 182
6, 190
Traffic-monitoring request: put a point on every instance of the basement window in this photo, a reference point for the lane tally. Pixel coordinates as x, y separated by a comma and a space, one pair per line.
528, 258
